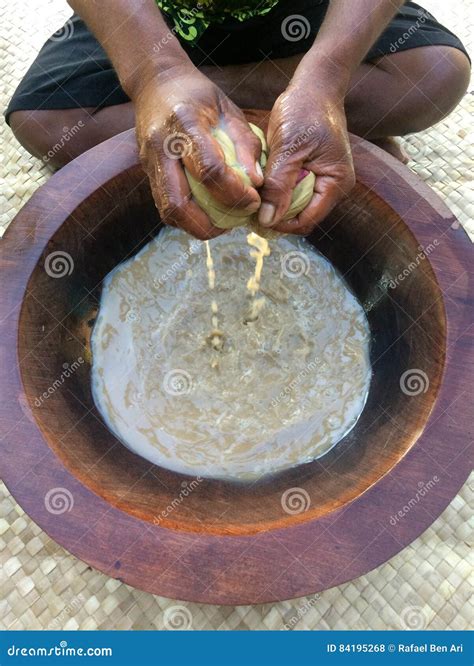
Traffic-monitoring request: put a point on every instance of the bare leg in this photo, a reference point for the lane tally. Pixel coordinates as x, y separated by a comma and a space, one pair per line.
399, 94
396, 95
406, 92
58, 136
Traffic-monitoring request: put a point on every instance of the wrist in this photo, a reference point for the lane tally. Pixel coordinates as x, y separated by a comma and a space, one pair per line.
157, 70
323, 73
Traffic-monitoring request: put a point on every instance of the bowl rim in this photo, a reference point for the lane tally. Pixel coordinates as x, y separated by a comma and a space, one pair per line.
222, 569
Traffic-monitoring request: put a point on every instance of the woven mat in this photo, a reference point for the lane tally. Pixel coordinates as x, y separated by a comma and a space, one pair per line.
426, 586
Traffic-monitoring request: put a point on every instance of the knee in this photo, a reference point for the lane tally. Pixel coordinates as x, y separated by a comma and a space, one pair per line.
442, 74
449, 73
51, 135
430, 80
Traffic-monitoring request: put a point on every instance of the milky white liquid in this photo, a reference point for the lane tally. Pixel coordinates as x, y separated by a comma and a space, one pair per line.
280, 390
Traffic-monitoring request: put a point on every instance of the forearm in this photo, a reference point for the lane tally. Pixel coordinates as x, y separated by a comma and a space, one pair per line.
136, 38
348, 31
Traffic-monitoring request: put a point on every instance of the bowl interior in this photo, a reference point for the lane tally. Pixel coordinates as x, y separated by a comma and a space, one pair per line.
380, 259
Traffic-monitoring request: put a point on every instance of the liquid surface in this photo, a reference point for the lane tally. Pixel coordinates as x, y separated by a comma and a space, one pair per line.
278, 390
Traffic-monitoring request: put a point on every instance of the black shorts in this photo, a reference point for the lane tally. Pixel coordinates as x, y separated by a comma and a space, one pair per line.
72, 69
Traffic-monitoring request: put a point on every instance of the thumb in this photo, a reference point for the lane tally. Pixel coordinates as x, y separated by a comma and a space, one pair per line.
281, 175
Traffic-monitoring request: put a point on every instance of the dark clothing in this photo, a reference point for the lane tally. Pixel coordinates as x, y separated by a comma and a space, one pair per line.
72, 69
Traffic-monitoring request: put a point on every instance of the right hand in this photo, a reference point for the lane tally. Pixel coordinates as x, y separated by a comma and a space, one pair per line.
175, 112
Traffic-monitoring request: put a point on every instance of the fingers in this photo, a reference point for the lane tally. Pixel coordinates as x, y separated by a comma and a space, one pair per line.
281, 175
206, 163
248, 148
294, 226
172, 195
328, 191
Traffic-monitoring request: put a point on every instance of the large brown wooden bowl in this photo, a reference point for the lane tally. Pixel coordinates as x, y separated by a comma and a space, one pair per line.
403, 254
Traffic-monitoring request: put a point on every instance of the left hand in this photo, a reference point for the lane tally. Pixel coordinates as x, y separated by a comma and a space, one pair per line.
307, 129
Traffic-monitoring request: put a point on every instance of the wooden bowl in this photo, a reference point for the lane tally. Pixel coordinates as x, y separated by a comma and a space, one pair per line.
302, 531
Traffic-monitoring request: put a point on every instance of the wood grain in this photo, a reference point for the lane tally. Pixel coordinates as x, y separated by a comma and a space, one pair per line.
235, 543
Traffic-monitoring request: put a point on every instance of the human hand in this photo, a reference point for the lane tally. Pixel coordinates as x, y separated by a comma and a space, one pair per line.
307, 130
175, 113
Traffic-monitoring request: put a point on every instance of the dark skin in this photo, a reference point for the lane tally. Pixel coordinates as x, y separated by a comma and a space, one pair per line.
193, 105
186, 103
324, 91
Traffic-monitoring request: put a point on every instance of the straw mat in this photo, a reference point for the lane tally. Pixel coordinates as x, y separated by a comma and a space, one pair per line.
426, 586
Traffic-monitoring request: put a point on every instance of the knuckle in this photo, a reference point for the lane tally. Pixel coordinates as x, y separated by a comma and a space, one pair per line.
203, 234
151, 140
306, 229
277, 185
210, 171
255, 144
174, 208
349, 180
